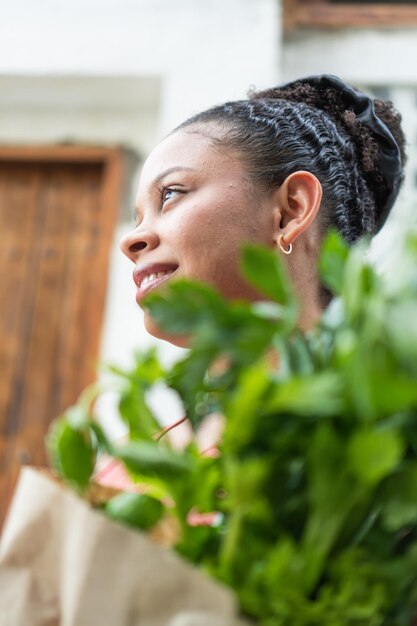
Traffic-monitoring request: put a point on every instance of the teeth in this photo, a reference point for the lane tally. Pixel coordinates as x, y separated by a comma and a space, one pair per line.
147, 279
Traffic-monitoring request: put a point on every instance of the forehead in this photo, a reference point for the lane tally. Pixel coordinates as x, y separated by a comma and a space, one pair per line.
190, 148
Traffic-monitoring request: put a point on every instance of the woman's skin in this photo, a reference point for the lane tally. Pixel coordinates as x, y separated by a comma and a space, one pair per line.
196, 207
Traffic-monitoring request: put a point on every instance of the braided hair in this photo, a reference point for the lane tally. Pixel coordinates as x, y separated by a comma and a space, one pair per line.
311, 125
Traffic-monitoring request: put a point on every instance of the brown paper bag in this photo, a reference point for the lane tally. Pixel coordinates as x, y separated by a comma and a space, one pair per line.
61, 563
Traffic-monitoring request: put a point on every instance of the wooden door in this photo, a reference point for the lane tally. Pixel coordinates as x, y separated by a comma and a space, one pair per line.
57, 216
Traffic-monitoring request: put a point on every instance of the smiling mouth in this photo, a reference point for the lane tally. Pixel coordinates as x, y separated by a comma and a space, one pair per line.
149, 279
155, 277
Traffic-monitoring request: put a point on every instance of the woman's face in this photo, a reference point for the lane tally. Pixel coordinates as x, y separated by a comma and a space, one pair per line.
195, 208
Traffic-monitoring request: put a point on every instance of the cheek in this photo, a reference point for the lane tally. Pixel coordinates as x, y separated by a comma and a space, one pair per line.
209, 237
210, 223
215, 258
209, 247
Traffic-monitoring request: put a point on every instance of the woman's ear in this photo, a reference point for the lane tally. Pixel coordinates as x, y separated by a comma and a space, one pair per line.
297, 203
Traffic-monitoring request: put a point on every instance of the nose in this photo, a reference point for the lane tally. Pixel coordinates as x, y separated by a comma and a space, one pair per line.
137, 241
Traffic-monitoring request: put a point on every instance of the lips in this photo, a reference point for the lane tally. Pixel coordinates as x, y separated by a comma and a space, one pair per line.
147, 277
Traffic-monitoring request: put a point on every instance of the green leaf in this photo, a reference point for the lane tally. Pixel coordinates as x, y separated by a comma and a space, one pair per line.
102, 441
374, 454
151, 459
265, 270
184, 306
72, 450
317, 395
285, 566
245, 491
136, 414
400, 498
137, 510
359, 282
146, 370
332, 495
296, 358
333, 257
243, 409
189, 378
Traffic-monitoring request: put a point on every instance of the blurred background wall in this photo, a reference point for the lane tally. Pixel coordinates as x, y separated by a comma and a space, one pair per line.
115, 75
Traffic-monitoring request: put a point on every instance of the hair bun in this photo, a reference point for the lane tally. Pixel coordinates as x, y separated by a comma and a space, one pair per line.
373, 125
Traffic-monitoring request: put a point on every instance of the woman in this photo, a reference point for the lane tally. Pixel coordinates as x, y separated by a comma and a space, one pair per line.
278, 169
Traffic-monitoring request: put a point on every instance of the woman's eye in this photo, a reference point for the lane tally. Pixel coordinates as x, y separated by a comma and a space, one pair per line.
168, 193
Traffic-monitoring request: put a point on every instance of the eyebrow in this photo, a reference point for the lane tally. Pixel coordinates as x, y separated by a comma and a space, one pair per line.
162, 175
171, 170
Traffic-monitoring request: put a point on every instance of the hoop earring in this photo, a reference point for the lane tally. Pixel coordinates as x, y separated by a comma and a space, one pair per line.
284, 250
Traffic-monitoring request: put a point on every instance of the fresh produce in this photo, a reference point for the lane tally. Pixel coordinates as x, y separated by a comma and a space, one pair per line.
315, 484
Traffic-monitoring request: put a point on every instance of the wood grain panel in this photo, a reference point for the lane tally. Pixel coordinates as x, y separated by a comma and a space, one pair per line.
19, 188
57, 225
335, 15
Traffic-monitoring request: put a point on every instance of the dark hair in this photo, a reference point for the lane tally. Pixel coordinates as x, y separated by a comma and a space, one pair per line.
311, 126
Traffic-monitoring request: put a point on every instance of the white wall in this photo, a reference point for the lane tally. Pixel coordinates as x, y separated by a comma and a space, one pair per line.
54, 108
205, 51
370, 57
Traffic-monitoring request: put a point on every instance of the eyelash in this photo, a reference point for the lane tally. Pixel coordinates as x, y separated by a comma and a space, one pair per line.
163, 190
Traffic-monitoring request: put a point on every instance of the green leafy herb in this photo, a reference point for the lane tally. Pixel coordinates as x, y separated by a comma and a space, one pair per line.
314, 489
137, 510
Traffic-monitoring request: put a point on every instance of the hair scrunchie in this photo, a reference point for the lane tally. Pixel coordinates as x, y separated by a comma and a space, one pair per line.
363, 107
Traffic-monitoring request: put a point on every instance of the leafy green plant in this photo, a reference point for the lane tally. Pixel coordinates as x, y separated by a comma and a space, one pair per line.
315, 485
